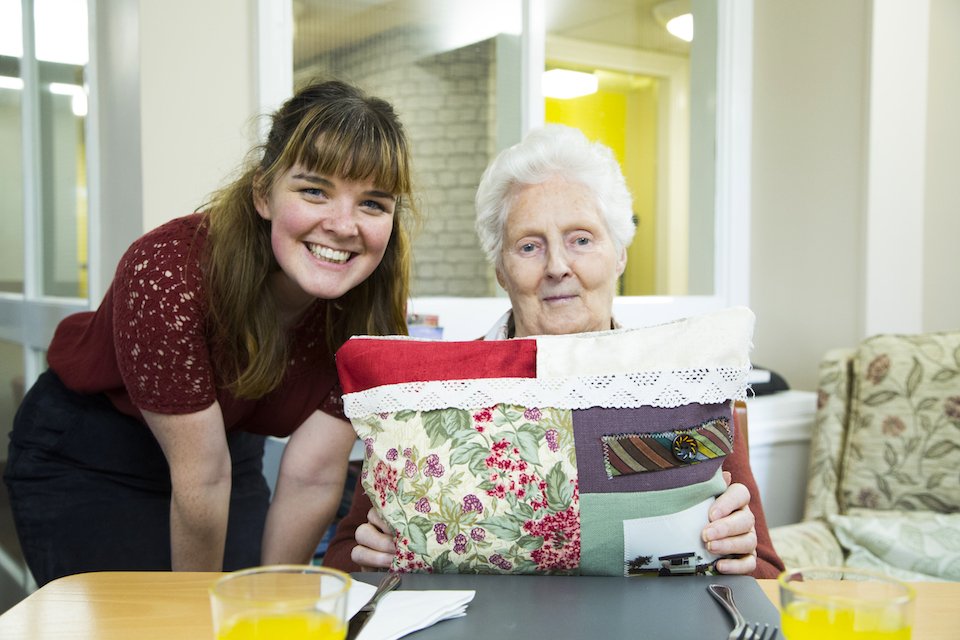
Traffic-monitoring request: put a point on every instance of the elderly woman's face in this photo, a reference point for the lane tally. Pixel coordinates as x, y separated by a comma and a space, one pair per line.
559, 263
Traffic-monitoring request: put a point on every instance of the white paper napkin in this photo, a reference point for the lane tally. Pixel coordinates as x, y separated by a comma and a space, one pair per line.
402, 612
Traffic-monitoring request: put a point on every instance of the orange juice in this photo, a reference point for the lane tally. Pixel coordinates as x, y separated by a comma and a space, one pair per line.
293, 626
806, 621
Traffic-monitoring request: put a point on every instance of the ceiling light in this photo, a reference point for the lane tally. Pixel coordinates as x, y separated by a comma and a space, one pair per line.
563, 84
682, 27
676, 17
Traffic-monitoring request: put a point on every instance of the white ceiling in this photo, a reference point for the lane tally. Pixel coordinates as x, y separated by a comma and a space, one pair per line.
322, 25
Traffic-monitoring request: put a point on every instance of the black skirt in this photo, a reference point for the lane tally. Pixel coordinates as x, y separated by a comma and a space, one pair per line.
90, 488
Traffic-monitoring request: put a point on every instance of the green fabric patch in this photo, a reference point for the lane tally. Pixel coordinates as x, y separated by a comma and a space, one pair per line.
602, 516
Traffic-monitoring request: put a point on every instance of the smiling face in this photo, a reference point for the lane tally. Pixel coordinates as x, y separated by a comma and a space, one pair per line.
328, 235
559, 263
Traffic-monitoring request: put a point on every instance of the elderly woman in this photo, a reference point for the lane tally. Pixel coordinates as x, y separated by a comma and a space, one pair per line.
554, 217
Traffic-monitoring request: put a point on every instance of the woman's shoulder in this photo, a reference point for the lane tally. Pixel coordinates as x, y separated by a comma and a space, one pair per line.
188, 229
172, 242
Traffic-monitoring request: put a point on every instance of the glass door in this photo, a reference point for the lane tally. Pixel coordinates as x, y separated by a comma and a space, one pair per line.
43, 151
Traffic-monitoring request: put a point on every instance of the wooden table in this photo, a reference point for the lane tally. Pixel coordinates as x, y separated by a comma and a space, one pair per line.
145, 605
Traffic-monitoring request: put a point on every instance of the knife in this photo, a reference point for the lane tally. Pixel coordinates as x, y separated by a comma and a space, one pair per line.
357, 622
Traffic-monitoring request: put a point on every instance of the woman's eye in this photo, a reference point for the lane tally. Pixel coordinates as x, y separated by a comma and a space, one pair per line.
373, 204
313, 191
582, 241
527, 248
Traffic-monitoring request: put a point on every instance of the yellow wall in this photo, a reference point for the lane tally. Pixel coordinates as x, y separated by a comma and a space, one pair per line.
623, 116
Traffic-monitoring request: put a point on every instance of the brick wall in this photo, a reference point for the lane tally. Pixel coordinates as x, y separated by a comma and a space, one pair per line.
446, 101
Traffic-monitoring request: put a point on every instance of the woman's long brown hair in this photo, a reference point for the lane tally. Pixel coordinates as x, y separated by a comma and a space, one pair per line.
333, 129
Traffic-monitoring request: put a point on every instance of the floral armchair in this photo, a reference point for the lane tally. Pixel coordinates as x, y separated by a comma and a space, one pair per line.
884, 481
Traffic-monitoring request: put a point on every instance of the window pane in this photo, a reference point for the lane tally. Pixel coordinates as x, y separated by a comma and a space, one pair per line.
623, 114
11, 388
11, 165
11, 176
439, 63
654, 106
61, 47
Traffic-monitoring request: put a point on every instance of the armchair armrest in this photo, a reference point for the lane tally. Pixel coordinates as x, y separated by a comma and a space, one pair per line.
807, 543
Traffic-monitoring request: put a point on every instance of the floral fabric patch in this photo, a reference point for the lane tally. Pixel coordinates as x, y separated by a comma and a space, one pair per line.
489, 491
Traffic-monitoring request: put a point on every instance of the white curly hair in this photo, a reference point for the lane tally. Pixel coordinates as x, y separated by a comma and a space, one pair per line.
549, 151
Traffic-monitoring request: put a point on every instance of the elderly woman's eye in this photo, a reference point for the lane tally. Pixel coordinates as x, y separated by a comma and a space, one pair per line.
527, 248
582, 241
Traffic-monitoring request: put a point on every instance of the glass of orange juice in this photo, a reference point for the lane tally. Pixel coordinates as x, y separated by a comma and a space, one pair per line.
827, 603
282, 602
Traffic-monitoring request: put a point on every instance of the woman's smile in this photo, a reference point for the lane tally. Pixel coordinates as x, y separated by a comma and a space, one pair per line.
328, 234
329, 255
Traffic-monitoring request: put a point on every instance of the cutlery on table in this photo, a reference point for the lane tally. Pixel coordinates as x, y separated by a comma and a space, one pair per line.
388, 584
742, 629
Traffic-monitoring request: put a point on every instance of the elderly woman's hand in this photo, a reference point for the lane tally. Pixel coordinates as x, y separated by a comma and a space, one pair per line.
375, 547
731, 530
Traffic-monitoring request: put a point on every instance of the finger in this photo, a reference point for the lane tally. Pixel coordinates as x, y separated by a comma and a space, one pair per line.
734, 545
369, 536
375, 519
741, 565
370, 560
737, 523
727, 477
737, 496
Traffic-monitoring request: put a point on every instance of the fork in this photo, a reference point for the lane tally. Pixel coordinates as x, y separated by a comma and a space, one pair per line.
741, 629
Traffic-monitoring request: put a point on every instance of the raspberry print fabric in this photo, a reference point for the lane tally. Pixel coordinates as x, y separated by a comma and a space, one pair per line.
489, 457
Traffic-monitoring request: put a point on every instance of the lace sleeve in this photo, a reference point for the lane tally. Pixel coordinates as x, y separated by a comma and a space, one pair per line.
159, 314
333, 403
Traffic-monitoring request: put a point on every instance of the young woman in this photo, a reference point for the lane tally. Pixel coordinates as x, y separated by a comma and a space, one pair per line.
140, 448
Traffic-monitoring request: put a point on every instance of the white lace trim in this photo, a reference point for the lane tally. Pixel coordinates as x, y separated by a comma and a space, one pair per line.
614, 391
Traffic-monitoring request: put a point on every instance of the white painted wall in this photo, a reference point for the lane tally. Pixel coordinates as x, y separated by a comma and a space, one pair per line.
810, 78
941, 239
197, 94
816, 263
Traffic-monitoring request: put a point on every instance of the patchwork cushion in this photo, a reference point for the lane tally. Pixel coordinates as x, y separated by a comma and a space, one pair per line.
587, 454
903, 441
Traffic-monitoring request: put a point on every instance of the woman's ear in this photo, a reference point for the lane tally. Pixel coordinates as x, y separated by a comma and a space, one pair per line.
260, 201
501, 279
622, 262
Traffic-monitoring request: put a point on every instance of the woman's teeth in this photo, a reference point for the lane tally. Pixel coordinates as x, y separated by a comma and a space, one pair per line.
330, 255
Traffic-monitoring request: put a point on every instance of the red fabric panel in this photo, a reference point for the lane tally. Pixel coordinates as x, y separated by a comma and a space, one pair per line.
364, 363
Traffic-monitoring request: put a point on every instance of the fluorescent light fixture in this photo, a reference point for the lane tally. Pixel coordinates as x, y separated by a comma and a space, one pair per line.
682, 27
564, 84
79, 102
6, 82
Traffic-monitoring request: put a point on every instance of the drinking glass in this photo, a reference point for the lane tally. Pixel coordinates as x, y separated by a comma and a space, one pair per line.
825, 603
282, 602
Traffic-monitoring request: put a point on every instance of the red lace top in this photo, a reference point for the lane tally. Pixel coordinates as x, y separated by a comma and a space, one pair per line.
146, 347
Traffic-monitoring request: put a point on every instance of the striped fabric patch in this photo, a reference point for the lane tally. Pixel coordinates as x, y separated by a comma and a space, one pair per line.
625, 453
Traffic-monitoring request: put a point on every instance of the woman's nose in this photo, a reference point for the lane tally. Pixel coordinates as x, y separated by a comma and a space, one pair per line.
341, 219
558, 263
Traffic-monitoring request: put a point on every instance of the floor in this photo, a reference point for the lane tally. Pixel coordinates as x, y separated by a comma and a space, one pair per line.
12, 590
